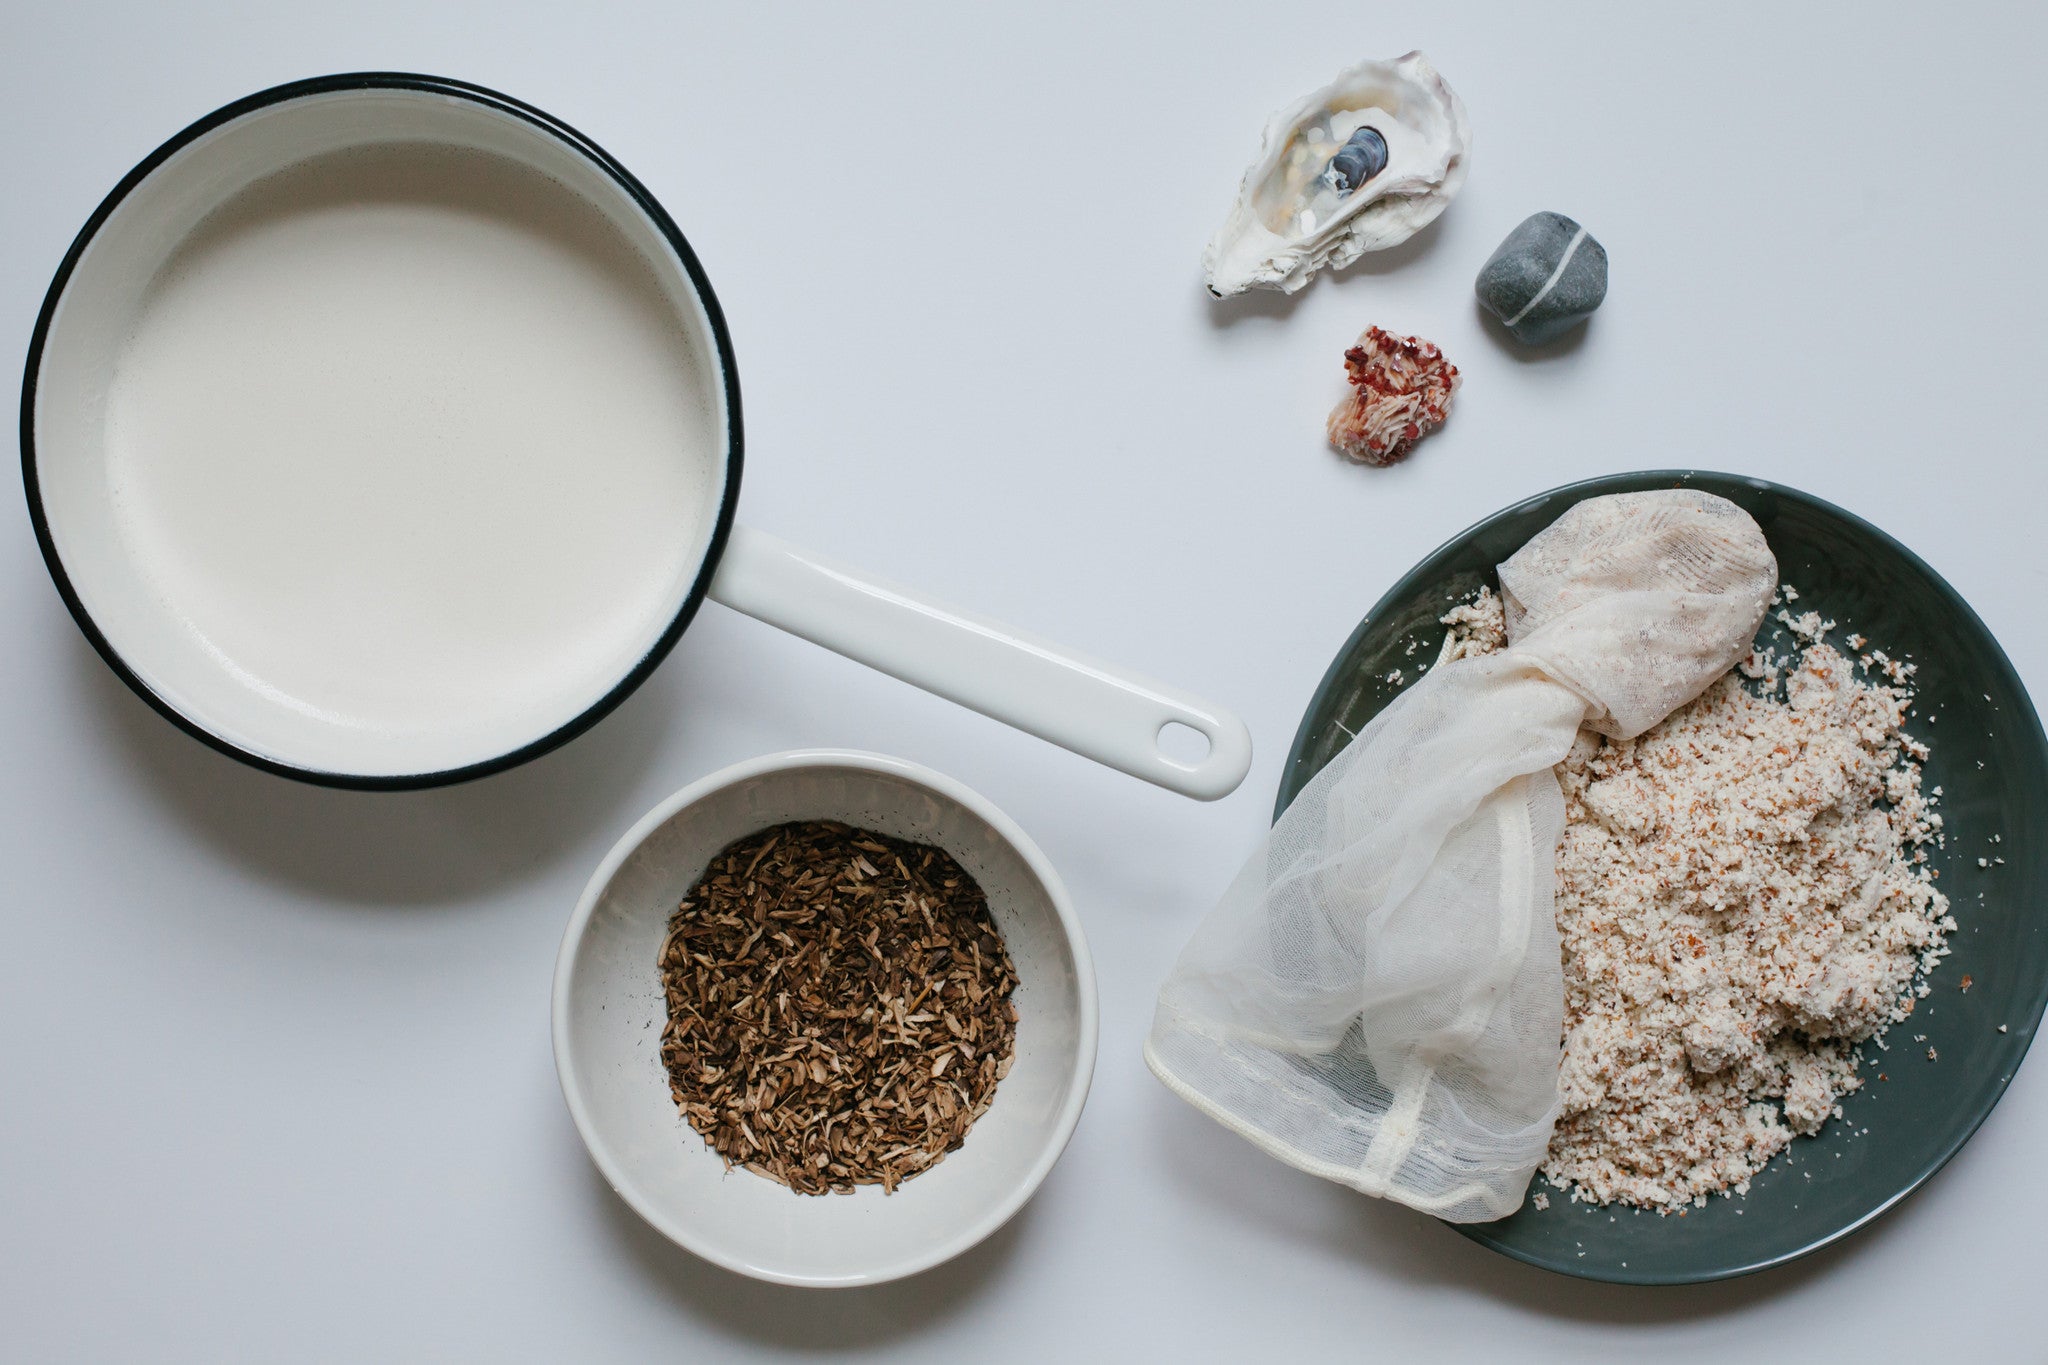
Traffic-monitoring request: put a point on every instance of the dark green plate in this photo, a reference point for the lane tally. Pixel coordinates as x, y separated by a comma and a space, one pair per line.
1991, 762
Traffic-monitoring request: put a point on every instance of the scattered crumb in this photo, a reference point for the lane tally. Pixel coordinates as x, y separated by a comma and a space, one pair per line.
1809, 627
1479, 626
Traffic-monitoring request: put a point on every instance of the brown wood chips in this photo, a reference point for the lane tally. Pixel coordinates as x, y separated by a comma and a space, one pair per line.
839, 1006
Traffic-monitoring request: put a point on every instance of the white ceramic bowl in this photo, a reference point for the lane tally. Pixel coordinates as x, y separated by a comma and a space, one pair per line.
609, 1012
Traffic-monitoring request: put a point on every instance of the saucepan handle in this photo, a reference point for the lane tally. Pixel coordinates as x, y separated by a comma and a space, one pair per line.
1097, 710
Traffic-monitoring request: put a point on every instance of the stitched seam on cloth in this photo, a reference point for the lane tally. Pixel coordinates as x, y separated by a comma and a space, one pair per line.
1226, 1045
1518, 876
1289, 1086
1281, 1151
1398, 1131
1396, 1135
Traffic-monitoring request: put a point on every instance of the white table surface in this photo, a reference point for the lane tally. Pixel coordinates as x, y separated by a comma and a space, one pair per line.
274, 1069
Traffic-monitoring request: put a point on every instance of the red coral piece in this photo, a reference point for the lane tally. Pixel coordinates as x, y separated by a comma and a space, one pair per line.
1401, 390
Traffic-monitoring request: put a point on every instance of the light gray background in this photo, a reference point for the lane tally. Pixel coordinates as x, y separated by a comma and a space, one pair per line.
274, 1067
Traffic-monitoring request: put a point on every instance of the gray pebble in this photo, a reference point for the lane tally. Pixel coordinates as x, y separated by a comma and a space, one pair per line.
1548, 275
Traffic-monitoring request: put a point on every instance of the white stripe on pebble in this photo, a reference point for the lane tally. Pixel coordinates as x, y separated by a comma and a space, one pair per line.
1551, 283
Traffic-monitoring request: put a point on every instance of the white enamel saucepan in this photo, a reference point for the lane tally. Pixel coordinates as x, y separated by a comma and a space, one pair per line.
382, 431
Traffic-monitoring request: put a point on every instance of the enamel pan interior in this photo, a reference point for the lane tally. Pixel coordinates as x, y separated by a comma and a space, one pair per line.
77, 342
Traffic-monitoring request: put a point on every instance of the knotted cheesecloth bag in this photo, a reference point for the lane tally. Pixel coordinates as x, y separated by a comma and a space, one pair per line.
1378, 997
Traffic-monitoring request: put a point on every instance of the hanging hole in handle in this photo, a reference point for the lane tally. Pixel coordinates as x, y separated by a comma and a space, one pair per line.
1183, 745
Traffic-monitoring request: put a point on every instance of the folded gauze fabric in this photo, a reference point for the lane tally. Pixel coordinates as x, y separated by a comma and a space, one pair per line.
1378, 997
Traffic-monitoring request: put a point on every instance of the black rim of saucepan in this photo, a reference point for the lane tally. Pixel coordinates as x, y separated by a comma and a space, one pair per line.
633, 190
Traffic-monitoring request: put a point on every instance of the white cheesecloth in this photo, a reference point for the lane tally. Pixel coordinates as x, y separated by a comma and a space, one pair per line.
1378, 998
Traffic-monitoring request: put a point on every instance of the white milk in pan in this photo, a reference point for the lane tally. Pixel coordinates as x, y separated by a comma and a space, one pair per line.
410, 440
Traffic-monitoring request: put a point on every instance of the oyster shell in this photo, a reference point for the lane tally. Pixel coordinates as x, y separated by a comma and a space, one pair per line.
1325, 190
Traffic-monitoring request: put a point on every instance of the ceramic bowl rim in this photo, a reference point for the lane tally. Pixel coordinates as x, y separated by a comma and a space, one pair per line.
1087, 1011
2030, 731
